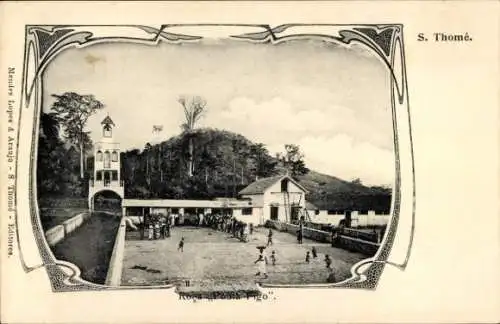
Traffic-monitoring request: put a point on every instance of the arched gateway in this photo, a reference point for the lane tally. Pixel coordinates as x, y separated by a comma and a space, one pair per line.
107, 164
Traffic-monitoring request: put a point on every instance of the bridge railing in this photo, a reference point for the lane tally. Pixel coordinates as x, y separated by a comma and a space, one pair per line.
106, 183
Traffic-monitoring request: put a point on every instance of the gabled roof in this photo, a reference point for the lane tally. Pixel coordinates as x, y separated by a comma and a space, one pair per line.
261, 185
107, 121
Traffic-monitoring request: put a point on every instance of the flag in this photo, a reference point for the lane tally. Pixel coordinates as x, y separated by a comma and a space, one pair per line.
157, 128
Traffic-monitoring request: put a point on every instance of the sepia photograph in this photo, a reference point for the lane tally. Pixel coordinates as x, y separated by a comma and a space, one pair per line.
205, 159
265, 162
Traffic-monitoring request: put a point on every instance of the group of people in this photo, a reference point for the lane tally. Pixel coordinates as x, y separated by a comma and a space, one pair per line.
156, 226
231, 225
262, 259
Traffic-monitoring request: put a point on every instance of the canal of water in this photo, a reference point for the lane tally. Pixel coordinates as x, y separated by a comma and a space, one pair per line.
90, 246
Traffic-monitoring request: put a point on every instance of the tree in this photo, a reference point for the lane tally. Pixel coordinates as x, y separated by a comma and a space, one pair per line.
293, 160
194, 108
261, 163
73, 110
356, 181
49, 126
147, 149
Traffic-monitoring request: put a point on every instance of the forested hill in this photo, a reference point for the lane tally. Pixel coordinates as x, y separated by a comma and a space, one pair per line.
223, 164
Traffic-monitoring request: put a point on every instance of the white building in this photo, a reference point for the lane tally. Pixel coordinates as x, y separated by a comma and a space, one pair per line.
106, 164
275, 198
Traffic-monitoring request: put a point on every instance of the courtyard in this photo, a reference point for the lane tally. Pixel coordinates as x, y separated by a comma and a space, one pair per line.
213, 259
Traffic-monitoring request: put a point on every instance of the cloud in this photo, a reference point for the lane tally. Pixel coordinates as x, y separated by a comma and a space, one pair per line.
344, 157
334, 140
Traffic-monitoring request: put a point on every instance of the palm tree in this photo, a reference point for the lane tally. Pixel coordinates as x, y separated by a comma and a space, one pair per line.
193, 111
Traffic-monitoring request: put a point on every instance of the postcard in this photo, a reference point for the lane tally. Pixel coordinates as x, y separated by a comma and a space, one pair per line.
249, 162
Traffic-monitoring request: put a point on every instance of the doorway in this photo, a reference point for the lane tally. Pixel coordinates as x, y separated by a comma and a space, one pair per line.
294, 214
274, 213
348, 218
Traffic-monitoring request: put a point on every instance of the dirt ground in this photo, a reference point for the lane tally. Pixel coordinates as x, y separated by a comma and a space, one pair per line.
213, 259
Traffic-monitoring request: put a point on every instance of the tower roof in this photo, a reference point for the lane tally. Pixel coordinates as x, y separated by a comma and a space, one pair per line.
107, 121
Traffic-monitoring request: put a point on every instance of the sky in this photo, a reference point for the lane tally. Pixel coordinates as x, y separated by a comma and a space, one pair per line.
332, 101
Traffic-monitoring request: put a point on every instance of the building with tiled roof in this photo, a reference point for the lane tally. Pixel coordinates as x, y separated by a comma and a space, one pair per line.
276, 198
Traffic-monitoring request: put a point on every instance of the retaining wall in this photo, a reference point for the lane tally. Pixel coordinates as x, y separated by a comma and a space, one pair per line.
357, 245
71, 224
367, 236
114, 275
57, 233
343, 241
357, 219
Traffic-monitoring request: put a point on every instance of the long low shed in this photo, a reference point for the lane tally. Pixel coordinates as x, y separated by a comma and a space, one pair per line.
243, 210
184, 203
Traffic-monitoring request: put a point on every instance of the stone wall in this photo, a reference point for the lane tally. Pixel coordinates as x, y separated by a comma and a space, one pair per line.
343, 241
114, 275
71, 224
357, 219
55, 235
357, 245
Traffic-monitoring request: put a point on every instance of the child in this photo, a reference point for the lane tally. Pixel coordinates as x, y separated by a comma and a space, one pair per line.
273, 257
328, 261
308, 257
261, 264
314, 252
181, 245
270, 238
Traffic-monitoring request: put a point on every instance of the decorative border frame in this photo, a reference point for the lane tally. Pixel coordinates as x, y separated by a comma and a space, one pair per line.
43, 43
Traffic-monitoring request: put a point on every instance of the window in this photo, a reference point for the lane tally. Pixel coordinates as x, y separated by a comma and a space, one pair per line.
247, 211
114, 156
99, 156
107, 162
106, 131
114, 175
284, 185
98, 176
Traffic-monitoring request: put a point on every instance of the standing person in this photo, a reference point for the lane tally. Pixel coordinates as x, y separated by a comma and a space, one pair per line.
245, 233
167, 229
163, 226
233, 227
251, 228
181, 245
261, 265
314, 252
334, 236
273, 257
270, 238
328, 261
299, 236
241, 227
301, 232
172, 220
157, 229
151, 231
308, 257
